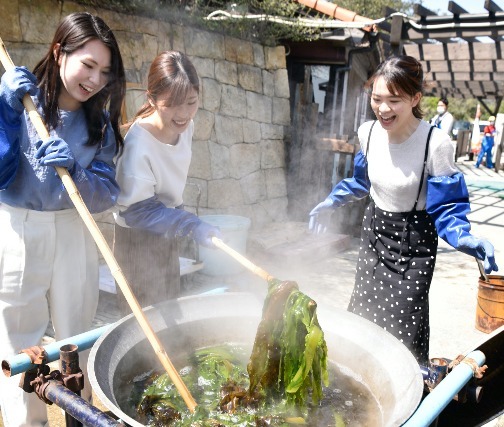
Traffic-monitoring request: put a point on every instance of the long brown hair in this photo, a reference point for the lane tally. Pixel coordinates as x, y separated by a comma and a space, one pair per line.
403, 76
73, 32
172, 73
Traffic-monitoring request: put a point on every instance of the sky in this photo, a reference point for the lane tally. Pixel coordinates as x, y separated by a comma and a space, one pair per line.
472, 6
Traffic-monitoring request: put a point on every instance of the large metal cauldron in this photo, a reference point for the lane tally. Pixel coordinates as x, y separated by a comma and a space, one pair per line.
363, 349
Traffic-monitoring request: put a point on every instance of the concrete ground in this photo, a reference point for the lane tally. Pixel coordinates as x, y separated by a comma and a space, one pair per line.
329, 279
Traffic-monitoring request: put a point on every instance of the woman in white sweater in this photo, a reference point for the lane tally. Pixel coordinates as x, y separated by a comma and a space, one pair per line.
152, 172
416, 193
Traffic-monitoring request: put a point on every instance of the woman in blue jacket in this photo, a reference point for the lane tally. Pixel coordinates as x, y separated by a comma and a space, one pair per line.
48, 259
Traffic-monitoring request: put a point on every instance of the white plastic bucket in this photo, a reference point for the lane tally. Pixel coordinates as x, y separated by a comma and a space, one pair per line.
234, 231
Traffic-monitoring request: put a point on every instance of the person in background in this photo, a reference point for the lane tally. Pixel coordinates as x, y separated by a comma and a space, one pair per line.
443, 119
487, 144
48, 258
152, 172
417, 194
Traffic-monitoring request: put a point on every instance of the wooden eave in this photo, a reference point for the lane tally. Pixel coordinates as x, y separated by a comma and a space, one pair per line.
456, 61
320, 52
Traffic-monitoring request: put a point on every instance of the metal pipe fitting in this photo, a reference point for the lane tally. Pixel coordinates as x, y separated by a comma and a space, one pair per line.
22, 362
77, 407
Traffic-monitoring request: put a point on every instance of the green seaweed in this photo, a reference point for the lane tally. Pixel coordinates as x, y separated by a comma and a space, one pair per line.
296, 358
284, 375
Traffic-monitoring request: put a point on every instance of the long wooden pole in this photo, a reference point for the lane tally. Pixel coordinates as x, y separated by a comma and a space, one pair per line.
104, 247
241, 259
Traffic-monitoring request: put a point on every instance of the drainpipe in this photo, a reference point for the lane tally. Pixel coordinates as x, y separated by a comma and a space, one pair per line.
346, 71
334, 103
343, 101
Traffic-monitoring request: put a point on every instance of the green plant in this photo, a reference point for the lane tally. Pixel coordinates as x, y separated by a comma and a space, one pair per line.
262, 29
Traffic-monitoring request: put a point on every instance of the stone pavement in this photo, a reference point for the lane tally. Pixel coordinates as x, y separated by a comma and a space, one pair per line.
329, 279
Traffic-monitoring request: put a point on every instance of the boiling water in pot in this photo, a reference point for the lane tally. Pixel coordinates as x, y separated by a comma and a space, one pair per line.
371, 361
346, 401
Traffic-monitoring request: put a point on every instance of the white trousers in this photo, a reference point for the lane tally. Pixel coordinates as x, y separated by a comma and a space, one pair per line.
48, 267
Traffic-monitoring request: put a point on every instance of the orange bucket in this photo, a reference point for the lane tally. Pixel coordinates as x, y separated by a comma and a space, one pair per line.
490, 308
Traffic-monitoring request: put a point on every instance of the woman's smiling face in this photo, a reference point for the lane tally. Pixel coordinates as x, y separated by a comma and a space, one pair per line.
83, 73
393, 110
176, 118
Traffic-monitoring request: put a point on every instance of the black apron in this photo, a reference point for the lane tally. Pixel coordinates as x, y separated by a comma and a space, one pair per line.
394, 271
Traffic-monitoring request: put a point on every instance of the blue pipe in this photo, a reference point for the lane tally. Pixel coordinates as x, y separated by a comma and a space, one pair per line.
21, 362
439, 398
78, 407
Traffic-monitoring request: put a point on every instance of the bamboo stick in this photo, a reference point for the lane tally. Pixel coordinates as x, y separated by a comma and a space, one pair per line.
104, 248
241, 259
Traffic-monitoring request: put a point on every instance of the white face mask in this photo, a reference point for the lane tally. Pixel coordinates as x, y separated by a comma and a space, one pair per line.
441, 110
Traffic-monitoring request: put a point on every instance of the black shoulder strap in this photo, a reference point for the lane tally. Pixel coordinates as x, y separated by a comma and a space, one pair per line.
369, 137
426, 154
367, 149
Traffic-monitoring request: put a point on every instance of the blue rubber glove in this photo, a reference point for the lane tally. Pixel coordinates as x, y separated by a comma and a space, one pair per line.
345, 191
16, 83
203, 234
448, 204
54, 151
320, 216
482, 249
153, 215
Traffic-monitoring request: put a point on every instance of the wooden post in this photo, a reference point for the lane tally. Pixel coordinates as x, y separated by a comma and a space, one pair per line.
396, 35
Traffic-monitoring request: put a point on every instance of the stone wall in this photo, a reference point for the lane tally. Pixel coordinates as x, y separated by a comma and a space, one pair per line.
238, 164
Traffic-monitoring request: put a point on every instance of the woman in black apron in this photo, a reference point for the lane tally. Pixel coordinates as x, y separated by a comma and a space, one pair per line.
416, 193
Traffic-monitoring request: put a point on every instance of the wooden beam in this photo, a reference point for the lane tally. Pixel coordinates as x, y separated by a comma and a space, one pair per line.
440, 66
492, 7
464, 66
446, 35
397, 30
480, 89
334, 144
455, 9
412, 49
466, 18
464, 69
485, 51
385, 25
459, 51
422, 11
487, 108
320, 51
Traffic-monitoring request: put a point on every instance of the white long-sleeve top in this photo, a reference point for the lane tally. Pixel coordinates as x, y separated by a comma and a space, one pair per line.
148, 167
395, 169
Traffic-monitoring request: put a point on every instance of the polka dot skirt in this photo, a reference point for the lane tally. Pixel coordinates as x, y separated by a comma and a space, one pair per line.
393, 275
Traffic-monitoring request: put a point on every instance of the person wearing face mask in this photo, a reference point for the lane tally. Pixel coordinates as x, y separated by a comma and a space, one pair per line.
443, 119
487, 144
